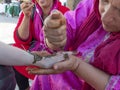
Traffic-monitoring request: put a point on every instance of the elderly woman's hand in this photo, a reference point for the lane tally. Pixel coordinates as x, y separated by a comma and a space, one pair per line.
71, 63
27, 7
55, 30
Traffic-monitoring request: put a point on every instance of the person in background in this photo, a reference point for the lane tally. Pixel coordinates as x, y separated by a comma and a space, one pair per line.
102, 71
29, 34
8, 59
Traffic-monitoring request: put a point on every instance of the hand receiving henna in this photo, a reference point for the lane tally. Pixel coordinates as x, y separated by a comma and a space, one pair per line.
71, 63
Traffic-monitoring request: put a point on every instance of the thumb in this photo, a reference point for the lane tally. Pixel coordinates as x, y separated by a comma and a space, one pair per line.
61, 65
55, 14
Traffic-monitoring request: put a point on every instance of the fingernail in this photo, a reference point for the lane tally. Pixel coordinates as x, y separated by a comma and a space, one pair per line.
54, 11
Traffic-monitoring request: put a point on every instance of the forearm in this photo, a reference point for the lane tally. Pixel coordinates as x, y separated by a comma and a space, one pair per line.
23, 30
13, 56
93, 76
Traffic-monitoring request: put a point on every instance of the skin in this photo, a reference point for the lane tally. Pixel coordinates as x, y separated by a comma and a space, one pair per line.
11, 59
46, 5
23, 30
110, 16
55, 30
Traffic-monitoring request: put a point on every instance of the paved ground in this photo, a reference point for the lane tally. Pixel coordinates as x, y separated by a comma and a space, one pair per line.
7, 25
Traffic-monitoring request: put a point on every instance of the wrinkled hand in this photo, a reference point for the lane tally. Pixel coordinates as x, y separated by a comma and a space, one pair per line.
71, 63
55, 30
27, 7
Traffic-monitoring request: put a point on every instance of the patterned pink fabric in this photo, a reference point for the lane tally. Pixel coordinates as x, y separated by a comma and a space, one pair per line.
107, 55
114, 83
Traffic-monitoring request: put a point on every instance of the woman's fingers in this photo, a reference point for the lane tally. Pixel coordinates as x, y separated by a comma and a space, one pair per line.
41, 71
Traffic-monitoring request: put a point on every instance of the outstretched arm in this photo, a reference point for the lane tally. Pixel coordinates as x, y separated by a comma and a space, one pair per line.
14, 56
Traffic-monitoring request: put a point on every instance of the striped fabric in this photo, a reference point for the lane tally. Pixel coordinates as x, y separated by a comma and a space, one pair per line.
114, 83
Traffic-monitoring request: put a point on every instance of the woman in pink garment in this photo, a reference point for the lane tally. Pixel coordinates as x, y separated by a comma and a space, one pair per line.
84, 18
103, 70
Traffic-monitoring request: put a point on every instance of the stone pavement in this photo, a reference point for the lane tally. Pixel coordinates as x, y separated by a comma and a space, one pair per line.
7, 25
